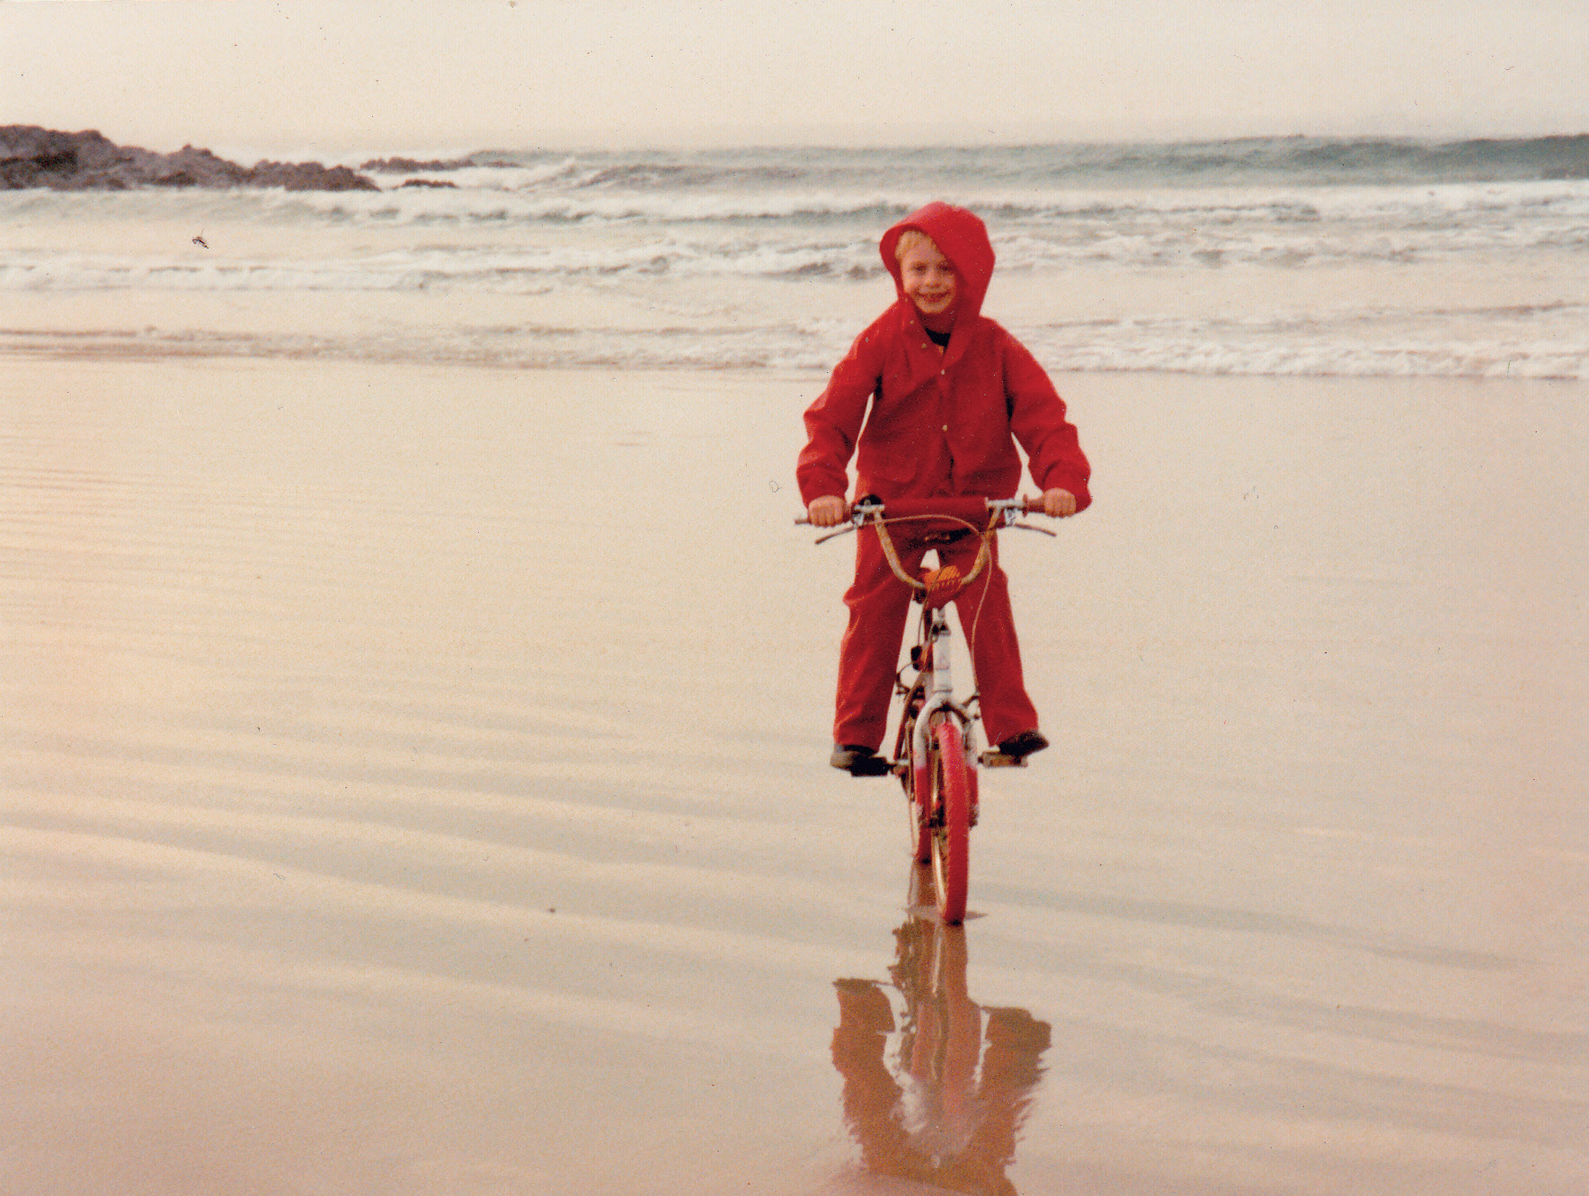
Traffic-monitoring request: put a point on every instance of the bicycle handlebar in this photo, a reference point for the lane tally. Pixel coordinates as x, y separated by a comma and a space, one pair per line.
968, 509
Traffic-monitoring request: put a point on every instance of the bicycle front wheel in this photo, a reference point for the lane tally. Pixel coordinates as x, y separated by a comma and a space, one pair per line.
951, 840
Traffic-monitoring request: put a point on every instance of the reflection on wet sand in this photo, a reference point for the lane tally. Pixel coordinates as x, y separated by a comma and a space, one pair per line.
923, 1110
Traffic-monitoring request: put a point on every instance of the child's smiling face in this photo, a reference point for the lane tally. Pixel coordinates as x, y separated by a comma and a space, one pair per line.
930, 282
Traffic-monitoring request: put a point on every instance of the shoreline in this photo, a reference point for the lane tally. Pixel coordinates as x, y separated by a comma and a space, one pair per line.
308, 358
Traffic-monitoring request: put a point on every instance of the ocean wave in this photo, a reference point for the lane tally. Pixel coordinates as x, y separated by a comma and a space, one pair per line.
1512, 344
1243, 161
556, 196
496, 243
876, 208
528, 271
1508, 342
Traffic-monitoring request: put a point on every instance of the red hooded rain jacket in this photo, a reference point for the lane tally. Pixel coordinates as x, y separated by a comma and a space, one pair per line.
940, 422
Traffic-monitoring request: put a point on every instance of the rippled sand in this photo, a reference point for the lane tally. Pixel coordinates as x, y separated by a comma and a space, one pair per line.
414, 782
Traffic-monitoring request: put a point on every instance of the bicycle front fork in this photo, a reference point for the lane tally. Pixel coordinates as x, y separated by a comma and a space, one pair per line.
931, 657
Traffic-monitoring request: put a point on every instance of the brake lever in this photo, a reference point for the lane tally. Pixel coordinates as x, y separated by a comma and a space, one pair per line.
1032, 527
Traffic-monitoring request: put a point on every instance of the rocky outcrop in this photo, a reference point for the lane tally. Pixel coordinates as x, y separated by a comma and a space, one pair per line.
86, 161
410, 165
308, 176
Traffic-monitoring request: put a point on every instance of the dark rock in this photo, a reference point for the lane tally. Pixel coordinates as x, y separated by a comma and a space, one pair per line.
17, 174
427, 183
409, 165
86, 161
308, 176
204, 168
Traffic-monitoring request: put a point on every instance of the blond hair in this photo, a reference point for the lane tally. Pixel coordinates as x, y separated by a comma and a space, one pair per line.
910, 239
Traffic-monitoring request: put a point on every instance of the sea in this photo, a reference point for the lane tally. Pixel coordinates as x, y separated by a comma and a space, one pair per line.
1288, 256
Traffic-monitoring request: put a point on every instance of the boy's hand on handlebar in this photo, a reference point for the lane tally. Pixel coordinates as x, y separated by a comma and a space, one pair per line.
1058, 503
831, 510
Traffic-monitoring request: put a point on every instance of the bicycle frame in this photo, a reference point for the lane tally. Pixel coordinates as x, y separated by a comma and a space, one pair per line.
936, 638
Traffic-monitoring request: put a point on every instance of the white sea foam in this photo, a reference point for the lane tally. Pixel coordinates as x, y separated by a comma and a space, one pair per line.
1251, 258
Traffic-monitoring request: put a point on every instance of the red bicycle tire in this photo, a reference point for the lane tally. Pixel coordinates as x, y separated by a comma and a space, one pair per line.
951, 841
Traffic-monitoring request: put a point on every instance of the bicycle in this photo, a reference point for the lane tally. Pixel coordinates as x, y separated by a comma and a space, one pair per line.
935, 753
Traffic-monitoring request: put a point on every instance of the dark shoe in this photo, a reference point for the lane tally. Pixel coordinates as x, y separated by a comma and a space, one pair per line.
859, 761
1023, 745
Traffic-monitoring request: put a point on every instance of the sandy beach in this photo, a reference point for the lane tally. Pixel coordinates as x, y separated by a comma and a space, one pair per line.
413, 780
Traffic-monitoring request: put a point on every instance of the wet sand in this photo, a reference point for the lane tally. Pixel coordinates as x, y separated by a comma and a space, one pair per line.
414, 782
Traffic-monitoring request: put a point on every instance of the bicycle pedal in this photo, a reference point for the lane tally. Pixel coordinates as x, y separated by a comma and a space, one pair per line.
993, 758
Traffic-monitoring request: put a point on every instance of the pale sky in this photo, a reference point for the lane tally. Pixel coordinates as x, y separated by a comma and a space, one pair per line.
336, 76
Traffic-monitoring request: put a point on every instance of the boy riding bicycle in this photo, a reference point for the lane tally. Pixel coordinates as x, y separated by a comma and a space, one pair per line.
944, 394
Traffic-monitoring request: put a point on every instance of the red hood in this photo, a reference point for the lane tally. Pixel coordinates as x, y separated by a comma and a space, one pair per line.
962, 238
